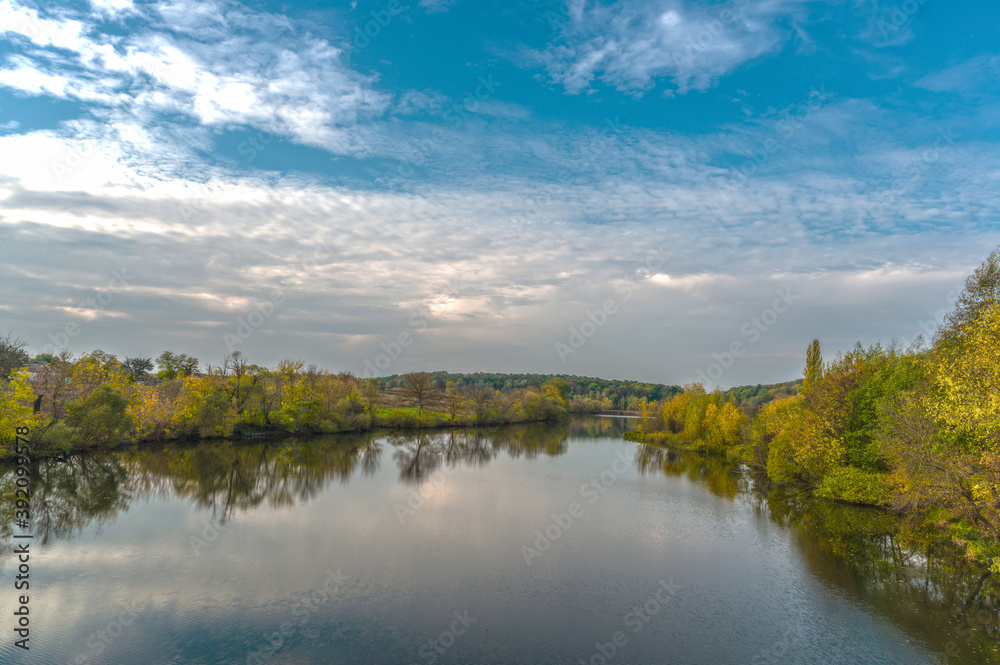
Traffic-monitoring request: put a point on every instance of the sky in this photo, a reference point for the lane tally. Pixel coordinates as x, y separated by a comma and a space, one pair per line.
655, 190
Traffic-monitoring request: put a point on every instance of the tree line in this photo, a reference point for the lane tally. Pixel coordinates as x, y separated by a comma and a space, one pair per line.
915, 430
99, 401
584, 394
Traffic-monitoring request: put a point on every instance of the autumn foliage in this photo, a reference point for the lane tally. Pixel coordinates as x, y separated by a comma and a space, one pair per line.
913, 429
96, 401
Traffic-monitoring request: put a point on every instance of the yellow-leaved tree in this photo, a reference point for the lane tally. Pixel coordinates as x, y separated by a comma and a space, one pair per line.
17, 398
944, 437
204, 408
725, 426
810, 441
968, 377
768, 422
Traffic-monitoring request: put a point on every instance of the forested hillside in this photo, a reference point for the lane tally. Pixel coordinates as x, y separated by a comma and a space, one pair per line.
584, 392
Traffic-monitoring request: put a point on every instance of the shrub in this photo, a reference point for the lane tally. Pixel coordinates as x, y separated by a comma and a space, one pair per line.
60, 437
101, 419
854, 485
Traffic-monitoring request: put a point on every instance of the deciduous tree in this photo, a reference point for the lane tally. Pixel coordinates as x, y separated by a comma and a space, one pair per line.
101, 418
12, 354
481, 396
371, 393
814, 365
172, 365
418, 386
138, 368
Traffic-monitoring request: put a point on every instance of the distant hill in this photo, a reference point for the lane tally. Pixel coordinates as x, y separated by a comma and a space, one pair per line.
619, 392
752, 398
622, 394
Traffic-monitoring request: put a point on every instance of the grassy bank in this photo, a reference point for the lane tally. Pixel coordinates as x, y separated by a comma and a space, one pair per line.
93, 402
59, 440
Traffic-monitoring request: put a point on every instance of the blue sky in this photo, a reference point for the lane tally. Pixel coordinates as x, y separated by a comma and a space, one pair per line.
620, 189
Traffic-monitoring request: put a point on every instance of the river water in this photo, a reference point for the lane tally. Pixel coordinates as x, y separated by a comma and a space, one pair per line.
525, 544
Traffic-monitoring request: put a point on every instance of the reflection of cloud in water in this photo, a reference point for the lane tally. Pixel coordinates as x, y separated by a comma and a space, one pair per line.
226, 477
464, 544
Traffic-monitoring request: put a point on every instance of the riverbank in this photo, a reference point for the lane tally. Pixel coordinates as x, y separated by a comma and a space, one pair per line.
385, 420
977, 547
57, 441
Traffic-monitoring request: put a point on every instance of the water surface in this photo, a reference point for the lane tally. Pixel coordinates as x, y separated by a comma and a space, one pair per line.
527, 544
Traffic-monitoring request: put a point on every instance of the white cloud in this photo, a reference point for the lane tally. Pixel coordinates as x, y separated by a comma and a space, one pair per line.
229, 67
629, 44
204, 254
28, 24
112, 6
128, 186
971, 75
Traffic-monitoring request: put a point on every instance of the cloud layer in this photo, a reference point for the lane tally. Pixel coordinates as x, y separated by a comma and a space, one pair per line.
217, 155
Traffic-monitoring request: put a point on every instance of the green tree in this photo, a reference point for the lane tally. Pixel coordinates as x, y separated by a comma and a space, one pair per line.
211, 413
482, 397
371, 393
982, 288
560, 387
100, 419
138, 368
456, 401
175, 365
12, 354
108, 361
813, 371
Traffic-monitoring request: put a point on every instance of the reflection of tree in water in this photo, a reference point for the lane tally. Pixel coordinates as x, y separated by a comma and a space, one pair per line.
227, 477
531, 441
899, 563
369, 452
721, 477
65, 497
418, 455
593, 426
903, 567
68, 495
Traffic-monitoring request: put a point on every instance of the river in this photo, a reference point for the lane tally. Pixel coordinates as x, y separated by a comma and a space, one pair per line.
524, 544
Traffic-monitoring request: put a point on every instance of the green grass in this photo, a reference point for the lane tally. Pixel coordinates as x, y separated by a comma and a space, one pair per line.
413, 410
411, 418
